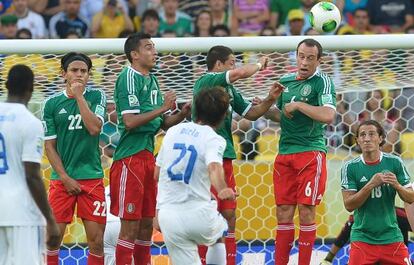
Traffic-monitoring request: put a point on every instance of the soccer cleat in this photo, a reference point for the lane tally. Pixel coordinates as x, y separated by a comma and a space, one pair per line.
325, 262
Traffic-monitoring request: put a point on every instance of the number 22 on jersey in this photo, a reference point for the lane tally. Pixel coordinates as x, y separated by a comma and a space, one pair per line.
190, 163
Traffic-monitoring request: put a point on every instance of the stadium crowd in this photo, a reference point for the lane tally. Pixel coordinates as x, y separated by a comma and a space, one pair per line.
36, 19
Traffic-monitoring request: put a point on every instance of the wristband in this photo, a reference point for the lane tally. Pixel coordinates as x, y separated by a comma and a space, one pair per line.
259, 65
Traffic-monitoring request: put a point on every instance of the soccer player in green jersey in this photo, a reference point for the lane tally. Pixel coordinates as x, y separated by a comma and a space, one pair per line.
73, 119
142, 112
307, 104
369, 185
222, 72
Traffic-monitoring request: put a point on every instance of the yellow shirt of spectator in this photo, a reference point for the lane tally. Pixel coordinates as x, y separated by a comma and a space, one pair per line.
110, 27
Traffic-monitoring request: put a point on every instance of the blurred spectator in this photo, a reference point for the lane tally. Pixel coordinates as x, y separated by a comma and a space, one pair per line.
203, 24
192, 7
311, 32
72, 34
68, 19
8, 28
279, 10
268, 31
296, 22
151, 23
89, 8
24, 34
249, 17
111, 21
391, 15
47, 8
29, 19
219, 12
345, 29
144, 5
350, 7
174, 20
220, 31
4, 6
306, 7
409, 30
361, 21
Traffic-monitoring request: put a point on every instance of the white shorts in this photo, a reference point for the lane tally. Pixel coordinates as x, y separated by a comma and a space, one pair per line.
184, 229
110, 240
22, 245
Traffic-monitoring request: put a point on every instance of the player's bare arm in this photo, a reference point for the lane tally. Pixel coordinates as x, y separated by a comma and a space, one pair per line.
132, 121
71, 185
257, 110
247, 70
272, 114
409, 209
37, 189
216, 174
353, 199
92, 123
406, 193
318, 113
171, 120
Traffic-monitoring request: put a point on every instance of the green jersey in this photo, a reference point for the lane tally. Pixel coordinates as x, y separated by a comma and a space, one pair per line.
237, 103
301, 133
181, 27
136, 93
375, 221
78, 150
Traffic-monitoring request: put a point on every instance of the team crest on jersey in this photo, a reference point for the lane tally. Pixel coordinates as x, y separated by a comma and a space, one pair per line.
305, 90
133, 100
130, 207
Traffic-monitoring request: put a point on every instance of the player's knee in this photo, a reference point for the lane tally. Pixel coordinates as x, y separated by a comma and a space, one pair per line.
306, 214
95, 245
285, 213
146, 225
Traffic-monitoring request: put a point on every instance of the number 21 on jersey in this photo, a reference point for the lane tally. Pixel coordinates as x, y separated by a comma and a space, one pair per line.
190, 163
3, 155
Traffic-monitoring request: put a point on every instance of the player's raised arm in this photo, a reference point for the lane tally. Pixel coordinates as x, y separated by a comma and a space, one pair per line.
257, 110
247, 70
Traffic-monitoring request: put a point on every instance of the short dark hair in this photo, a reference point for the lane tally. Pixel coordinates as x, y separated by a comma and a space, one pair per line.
19, 80
150, 13
211, 105
222, 27
361, 9
311, 43
24, 31
74, 56
380, 130
217, 53
132, 43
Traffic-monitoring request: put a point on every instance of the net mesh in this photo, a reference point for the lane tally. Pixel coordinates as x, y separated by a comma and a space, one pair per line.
374, 84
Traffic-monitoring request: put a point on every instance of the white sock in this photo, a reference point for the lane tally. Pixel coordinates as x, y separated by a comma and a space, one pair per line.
216, 254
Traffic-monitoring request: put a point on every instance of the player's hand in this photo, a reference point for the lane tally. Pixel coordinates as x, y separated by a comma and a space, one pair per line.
52, 234
186, 109
226, 194
77, 88
390, 178
72, 186
275, 91
256, 101
289, 109
377, 180
263, 60
169, 100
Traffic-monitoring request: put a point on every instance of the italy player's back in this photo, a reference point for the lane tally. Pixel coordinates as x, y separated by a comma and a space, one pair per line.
21, 140
184, 156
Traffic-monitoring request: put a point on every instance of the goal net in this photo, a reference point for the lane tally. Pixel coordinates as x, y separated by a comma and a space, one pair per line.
373, 76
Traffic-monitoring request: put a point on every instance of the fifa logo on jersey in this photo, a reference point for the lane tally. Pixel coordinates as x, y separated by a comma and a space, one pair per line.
133, 100
306, 90
130, 207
